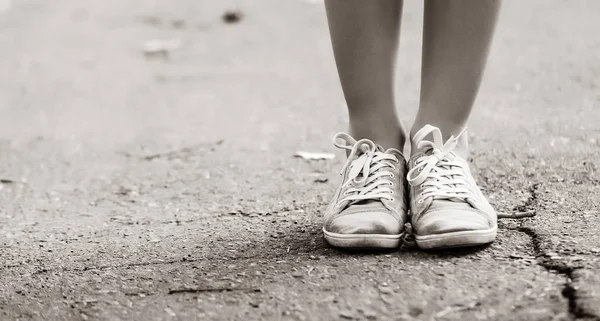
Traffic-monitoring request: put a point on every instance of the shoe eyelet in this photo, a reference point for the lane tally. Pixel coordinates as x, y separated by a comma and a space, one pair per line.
392, 192
420, 201
422, 186
391, 199
420, 169
392, 175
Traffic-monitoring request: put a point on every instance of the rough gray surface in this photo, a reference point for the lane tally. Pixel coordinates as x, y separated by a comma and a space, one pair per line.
164, 188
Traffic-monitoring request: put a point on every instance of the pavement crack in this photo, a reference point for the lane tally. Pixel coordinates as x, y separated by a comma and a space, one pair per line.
552, 263
137, 264
569, 291
531, 203
185, 260
544, 260
116, 266
204, 290
182, 152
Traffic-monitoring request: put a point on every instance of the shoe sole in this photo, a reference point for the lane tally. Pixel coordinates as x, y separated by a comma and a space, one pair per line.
456, 239
361, 241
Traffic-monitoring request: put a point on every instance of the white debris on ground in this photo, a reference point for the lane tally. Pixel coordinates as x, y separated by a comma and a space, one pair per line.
314, 156
160, 47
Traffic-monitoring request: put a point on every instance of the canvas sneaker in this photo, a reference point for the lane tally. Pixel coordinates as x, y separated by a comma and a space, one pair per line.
369, 208
447, 208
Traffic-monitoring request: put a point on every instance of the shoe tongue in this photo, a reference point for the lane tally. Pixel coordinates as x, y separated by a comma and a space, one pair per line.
427, 152
445, 204
368, 205
450, 156
364, 149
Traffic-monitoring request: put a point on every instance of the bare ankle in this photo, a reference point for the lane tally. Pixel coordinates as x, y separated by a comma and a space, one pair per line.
385, 136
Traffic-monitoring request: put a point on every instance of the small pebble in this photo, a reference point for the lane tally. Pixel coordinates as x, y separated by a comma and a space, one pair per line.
385, 290
170, 312
232, 17
179, 24
346, 315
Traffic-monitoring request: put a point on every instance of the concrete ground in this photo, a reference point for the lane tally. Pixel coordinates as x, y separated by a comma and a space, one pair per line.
164, 187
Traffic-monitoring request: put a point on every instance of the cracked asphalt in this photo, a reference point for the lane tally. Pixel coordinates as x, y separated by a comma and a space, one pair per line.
164, 187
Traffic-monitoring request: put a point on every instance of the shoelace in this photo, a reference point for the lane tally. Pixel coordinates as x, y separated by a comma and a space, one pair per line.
439, 176
369, 174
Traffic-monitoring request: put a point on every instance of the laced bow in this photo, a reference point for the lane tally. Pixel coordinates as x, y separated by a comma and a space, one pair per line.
438, 173
370, 170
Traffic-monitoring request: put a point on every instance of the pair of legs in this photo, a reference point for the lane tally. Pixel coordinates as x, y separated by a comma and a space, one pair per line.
456, 40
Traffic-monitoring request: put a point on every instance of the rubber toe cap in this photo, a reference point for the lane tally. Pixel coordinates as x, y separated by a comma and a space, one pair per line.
449, 221
365, 223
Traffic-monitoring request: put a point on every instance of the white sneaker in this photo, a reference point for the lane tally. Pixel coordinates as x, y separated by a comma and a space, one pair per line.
369, 208
447, 208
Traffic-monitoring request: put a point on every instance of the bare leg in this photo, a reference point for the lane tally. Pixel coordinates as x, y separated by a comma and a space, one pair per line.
365, 36
456, 40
